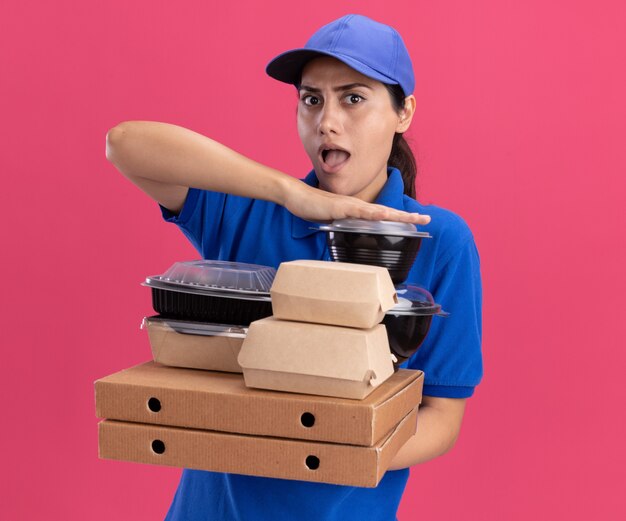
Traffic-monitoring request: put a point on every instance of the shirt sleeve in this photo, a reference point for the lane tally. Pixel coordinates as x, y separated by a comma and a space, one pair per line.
200, 219
451, 355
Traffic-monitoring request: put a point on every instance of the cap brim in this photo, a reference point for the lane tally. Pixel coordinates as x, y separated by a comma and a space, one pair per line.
287, 67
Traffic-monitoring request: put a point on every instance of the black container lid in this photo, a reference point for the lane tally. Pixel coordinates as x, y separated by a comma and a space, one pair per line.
415, 300
374, 227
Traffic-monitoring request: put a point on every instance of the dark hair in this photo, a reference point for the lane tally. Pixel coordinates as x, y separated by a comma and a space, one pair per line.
401, 155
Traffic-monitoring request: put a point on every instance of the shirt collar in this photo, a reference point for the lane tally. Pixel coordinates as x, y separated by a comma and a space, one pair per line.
391, 195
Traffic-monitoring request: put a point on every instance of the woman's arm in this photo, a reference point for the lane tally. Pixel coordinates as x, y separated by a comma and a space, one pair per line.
438, 425
165, 160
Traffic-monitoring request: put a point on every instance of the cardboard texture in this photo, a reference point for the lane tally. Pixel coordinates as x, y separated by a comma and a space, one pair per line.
169, 347
341, 294
315, 358
156, 394
253, 455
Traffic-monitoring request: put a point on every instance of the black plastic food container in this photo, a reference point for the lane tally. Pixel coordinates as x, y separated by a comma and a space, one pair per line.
391, 245
408, 322
213, 291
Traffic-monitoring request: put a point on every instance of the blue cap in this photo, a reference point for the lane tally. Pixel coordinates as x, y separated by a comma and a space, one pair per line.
371, 48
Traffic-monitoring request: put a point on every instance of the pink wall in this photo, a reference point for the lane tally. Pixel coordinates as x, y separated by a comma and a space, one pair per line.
521, 128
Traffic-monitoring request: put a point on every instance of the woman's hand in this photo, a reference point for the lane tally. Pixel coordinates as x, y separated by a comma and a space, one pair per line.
438, 426
317, 205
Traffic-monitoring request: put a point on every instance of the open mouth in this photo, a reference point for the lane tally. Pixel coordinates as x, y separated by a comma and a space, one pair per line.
334, 157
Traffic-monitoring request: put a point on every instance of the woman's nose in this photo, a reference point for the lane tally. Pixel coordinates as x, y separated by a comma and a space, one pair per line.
330, 119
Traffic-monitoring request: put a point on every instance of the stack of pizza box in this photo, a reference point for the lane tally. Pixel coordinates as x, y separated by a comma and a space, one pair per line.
318, 399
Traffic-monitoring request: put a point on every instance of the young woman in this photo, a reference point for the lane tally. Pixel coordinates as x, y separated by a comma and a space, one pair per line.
355, 82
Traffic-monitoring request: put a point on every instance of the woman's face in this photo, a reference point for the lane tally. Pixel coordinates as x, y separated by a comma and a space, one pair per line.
346, 122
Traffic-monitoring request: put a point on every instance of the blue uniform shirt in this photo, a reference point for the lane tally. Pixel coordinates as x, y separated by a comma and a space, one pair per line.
228, 227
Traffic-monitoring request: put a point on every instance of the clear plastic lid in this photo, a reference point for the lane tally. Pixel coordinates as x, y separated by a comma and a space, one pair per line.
196, 328
374, 227
214, 275
414, 300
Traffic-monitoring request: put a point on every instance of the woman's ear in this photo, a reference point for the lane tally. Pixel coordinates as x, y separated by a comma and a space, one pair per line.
406, 114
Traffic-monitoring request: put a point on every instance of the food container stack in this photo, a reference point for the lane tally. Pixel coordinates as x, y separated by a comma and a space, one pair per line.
204, 309
325, 336
190, 408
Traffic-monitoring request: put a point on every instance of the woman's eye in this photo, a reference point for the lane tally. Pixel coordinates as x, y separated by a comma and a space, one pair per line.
353, 99
310, 100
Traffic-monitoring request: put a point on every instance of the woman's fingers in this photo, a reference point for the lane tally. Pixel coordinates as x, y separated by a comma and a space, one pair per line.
316, 205
378, 212
414, 218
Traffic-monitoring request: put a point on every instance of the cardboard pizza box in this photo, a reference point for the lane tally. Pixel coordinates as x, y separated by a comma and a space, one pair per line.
254, 455
161, 395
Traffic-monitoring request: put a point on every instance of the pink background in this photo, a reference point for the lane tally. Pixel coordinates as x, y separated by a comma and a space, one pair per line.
520, 128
